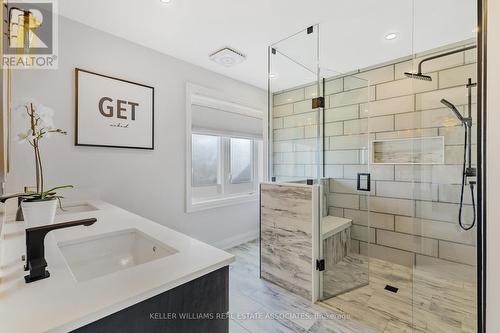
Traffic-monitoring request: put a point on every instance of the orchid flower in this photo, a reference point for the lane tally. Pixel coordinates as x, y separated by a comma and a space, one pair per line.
25, 137
41, 125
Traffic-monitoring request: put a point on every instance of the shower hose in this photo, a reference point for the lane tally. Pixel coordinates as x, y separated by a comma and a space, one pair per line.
471, 184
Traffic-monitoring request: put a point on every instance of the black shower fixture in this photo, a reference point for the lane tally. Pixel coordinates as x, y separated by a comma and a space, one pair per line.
468, 172
420, 76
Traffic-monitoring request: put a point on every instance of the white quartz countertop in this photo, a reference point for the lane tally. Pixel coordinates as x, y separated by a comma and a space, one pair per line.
61, 304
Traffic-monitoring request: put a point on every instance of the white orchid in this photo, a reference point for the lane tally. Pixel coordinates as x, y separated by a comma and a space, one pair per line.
41, 124
46, 115
25, 137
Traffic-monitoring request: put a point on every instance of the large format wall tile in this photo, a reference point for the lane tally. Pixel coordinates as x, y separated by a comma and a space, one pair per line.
388, 106
372, 125
348, 186
342, 113
289, 133
434, 229
370, 77
378, 172
283, 110
288, 97
438, 117
441, 211
302, 119
303, 107
432, 99
406, 87
344, 200
451, 193
457, 76
407, 242
460, 253
419, 201
455, 135
362, 233
356, 96
390, 206
361, 141
374, 220
405, 190
342, 157
400, 257
413, 133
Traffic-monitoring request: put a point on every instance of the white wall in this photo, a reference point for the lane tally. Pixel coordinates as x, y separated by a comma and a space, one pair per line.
149, 183
493, 169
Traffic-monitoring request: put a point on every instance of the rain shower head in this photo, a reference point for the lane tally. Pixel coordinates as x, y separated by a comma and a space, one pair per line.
454, 109
418, 76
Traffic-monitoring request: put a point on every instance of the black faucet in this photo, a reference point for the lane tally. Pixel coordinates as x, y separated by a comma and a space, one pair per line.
35, 251
20, 198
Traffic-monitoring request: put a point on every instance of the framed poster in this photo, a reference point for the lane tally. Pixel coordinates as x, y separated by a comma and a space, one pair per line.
112, 112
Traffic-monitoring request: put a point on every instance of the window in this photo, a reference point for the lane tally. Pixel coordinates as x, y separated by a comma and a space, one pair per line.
224, 152
223, 167
241, 167
205, 160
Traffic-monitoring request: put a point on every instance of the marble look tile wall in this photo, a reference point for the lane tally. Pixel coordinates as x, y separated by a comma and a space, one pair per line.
413, 208
286, 236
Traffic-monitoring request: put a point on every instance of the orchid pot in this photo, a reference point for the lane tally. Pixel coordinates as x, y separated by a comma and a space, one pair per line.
39, 212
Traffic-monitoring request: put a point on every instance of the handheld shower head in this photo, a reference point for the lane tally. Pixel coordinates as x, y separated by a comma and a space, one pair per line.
418, 76
452, 107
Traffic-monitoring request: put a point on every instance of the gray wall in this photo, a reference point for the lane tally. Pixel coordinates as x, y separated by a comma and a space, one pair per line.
414, 207
149, 183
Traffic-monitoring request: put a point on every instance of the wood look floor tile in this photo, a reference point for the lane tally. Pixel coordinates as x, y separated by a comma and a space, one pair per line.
426, 302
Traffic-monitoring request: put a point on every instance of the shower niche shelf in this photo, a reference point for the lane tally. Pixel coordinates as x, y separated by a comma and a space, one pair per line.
421, 150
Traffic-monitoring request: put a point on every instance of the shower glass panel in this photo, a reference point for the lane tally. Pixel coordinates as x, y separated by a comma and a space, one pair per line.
399, 248
294, 131
442, 230
345, 227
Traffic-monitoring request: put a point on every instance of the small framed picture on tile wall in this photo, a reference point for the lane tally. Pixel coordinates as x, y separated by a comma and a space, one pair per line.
112, 112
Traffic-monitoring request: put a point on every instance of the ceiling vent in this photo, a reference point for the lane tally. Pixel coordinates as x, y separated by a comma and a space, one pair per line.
227, 57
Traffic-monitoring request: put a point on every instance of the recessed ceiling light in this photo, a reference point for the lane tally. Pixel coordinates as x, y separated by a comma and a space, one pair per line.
391, 36
165, 1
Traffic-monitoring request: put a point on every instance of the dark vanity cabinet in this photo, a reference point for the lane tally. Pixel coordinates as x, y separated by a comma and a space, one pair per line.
200, 305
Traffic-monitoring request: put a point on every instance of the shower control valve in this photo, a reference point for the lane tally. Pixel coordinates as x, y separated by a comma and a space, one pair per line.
470, 172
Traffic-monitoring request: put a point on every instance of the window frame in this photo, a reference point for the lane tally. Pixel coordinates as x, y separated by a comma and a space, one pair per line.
210, 98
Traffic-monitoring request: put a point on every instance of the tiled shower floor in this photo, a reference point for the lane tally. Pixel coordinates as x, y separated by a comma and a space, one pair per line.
432, 303
440, 305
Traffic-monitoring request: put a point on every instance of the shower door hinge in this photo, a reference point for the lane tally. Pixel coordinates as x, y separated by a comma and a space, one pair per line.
318, 102
320, 265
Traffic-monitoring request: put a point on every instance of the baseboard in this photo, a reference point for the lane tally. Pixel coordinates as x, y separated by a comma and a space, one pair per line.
237, 240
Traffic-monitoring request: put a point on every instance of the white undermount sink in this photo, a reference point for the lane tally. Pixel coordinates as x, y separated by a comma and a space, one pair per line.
76, 208
103, 254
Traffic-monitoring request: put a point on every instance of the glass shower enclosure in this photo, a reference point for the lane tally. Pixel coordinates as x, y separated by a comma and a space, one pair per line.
304, 121
392, 146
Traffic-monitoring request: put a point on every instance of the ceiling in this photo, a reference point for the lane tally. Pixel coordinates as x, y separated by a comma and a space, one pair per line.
352, 32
